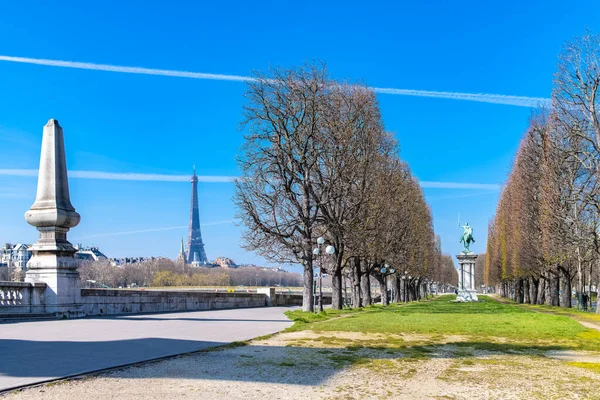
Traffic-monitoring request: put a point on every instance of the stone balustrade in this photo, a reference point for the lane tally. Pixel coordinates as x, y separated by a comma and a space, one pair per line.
22, 298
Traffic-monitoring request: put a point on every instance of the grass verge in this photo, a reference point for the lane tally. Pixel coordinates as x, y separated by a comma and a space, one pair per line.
486, 321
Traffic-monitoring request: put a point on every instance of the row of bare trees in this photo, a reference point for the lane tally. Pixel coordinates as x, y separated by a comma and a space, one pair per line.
544, 239
165, 272
317, 162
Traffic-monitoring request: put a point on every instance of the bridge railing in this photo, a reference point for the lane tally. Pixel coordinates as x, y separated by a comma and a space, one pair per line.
21, 297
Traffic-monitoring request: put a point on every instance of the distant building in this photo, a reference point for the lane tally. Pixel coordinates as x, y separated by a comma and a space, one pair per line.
4, 272
276, 269
118, 262
89, 253
225, 262
181, 257
16, 256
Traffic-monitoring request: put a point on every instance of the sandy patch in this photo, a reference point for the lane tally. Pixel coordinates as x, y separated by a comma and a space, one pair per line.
341, 365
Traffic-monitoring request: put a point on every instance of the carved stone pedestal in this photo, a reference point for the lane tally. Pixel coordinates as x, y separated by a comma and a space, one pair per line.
466, 277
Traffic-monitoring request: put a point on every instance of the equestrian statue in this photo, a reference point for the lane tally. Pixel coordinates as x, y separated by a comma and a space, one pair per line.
467, 237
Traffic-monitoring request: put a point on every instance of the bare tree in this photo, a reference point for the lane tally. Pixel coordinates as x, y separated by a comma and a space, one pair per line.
545, 232
278, 162
352, 144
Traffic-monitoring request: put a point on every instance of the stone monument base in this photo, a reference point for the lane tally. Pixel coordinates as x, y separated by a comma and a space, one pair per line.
62, 293
467, 295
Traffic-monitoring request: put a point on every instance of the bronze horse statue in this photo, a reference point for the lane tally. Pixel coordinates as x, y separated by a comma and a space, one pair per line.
467, 237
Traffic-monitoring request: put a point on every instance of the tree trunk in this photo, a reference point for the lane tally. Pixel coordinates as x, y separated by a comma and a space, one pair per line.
597, 287
525, 283
598, 299
552, 298
548, 290
336, 289
579, 272
565, 288
383, 288
307, 291
412, 295
533, 290
403, 290
590, 284
365, 288
396, 288
541, 297
519, 291
355, 279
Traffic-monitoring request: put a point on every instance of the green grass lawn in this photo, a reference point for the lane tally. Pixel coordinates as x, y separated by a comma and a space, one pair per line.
481, 321
572, 312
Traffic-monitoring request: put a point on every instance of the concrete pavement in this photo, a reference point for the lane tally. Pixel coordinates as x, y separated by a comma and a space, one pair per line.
35, 352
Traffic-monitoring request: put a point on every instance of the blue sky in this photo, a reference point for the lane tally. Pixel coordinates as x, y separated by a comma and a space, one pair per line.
134, 123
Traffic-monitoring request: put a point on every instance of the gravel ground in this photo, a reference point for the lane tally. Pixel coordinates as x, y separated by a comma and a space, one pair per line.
335, 365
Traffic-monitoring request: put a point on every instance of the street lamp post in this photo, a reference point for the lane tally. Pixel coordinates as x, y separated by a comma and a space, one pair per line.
386, 271
317, 251
345, 291
314, 289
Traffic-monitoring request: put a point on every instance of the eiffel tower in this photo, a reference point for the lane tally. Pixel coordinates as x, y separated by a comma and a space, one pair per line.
195, 248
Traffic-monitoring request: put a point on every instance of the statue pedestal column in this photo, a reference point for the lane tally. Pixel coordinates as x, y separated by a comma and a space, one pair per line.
466, 277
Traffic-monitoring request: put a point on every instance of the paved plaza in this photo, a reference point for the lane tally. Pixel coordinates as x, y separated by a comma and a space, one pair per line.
34, 352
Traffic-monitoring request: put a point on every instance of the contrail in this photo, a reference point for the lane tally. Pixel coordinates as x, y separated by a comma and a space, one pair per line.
169, 228
124, 176
127, 70
520, 101
433, 198
115, 176
457, 185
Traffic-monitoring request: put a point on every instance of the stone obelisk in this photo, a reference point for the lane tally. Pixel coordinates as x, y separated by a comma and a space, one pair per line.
53, 215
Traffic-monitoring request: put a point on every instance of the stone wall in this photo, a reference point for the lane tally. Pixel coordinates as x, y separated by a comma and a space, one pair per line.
295, 299
288, 299
111, 302
29, 298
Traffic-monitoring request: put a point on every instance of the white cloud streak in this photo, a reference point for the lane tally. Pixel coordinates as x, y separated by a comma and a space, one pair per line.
124, 176
116, 176
520, 101
459, 196
169, 228
457, 185
126, 70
